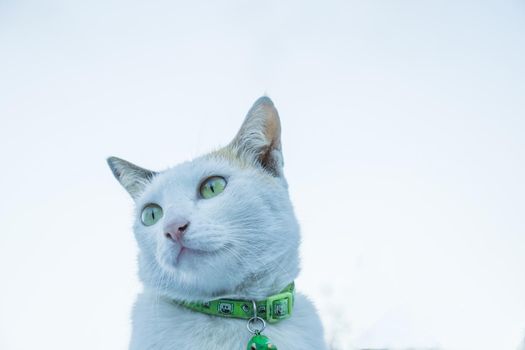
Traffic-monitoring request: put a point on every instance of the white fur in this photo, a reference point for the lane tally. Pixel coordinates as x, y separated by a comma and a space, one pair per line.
159, 325
246, 241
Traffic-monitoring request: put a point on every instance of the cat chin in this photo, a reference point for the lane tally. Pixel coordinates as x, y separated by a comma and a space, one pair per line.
193, 277
184, 286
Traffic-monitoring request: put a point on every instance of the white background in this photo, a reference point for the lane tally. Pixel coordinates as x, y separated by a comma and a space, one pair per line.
403, 132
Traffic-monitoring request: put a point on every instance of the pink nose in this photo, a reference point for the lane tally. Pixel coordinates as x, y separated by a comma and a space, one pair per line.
175, 230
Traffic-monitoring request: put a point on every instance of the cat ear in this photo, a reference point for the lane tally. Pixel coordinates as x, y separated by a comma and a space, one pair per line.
259, 138
132, 177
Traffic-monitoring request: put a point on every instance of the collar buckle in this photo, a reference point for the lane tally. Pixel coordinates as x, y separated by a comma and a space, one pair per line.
279, 307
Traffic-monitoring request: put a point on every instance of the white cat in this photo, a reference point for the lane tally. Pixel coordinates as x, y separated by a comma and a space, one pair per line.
218, 227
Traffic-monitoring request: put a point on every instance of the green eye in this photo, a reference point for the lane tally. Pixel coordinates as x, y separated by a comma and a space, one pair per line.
212, 186
151, 214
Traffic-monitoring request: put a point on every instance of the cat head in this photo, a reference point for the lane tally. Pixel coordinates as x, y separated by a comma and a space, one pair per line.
221, 224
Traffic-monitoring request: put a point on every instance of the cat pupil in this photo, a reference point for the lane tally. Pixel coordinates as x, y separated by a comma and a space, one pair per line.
211, 188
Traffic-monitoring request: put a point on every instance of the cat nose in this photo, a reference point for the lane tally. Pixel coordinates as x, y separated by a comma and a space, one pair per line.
175, 229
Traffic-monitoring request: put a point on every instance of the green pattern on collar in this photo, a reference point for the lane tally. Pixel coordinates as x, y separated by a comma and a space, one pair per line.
272, 309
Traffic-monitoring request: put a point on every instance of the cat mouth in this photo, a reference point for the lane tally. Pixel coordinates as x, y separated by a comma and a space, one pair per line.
179, 255
189, 251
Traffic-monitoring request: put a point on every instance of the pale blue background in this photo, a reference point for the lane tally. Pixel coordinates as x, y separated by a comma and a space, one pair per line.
404, 140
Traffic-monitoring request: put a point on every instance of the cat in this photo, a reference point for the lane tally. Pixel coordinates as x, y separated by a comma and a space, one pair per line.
219, 226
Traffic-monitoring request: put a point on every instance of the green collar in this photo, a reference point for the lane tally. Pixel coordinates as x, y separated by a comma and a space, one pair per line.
272, 309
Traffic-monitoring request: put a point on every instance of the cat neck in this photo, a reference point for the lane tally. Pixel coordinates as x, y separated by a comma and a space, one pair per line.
261, 286
257, 286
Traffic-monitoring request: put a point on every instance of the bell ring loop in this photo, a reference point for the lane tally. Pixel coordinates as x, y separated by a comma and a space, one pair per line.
252, 322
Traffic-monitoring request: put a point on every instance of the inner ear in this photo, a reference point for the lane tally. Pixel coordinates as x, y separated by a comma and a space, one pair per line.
259, 138
132, 177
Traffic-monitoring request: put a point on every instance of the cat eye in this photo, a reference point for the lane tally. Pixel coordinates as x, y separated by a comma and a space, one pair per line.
151, 214
212, 186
